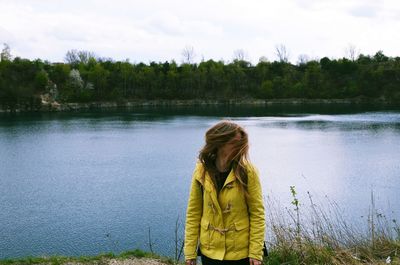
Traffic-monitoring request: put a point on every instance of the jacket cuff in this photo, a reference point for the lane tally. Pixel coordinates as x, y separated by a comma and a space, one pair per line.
255, 256
190, 253
191, 256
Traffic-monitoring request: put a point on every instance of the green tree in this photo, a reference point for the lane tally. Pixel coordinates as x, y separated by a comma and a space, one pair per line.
98, 76
41, 80
266, 89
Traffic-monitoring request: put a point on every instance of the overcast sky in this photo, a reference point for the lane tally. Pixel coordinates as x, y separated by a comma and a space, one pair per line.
158, 30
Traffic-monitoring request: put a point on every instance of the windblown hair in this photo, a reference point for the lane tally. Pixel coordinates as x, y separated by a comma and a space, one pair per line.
216, 137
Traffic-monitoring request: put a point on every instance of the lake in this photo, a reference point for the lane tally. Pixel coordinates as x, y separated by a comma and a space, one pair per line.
93, 182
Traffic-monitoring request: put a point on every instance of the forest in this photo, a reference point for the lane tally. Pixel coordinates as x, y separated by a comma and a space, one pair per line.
83, 77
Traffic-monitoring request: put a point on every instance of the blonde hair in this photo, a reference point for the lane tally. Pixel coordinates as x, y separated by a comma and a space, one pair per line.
216, 137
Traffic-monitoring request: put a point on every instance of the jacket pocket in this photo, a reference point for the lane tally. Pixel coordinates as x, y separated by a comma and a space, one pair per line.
242, 224
242, 235
205, 233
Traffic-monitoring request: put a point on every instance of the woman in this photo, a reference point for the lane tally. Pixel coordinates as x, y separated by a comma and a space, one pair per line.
225, 215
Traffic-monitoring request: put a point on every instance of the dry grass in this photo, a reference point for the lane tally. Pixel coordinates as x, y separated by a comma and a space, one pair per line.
309, 234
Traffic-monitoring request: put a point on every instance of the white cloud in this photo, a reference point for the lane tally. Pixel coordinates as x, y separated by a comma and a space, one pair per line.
6, 36
156, 30
364, 11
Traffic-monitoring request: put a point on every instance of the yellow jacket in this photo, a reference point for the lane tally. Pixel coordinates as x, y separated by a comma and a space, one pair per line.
227, 226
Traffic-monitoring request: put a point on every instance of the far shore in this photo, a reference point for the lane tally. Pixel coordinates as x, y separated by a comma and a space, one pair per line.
65, 107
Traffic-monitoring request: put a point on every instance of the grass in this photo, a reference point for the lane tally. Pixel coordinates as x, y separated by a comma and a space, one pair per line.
324, 237
99, 259
303, 233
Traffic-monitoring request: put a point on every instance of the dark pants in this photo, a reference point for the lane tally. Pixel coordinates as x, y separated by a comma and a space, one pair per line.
207, 261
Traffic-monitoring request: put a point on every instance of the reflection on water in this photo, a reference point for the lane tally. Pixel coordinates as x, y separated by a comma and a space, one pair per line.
376, 121
85, 183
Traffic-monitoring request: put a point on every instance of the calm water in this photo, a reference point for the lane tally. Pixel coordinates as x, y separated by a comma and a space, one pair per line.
82, 184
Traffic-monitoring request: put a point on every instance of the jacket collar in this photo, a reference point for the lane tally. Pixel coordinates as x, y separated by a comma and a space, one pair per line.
208, 186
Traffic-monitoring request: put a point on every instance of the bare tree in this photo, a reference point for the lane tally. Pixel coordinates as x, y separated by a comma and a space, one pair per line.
352, 52
5, 54
240, 55
282, 53
303, 59
76, 57
188, 54
85, 56
263, 59
72, 57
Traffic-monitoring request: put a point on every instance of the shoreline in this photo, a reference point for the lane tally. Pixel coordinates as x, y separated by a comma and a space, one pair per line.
72, 107
130, 257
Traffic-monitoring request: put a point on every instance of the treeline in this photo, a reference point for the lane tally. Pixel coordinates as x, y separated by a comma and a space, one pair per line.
85, 78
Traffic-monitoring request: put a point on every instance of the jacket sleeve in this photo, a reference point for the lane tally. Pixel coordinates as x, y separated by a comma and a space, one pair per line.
193, 217
256, 214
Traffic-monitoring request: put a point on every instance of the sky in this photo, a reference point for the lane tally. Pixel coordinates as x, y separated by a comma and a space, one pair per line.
159, 30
